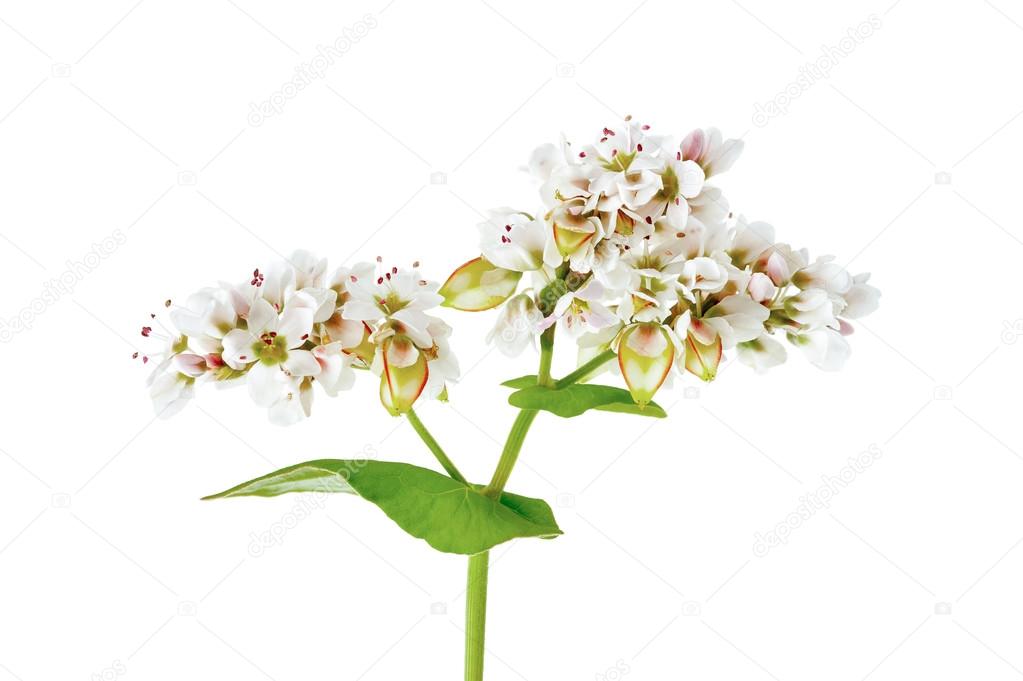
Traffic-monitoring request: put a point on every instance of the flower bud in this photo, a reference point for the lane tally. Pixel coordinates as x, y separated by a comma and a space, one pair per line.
477, 285
571, 231
645, 355
404, 374
702, 359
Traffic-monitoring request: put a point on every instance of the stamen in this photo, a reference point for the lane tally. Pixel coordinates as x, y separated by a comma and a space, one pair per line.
639, 147
582, 154
649, 220
146, 330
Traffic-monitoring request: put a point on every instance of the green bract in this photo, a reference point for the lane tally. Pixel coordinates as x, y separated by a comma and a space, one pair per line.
577, 399
450, 516
478, 285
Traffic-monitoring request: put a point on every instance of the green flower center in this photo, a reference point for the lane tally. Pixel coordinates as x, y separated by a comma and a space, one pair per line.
271, 349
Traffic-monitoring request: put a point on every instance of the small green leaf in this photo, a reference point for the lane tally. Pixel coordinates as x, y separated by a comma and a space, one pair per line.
449, 515
578, 398
527, 381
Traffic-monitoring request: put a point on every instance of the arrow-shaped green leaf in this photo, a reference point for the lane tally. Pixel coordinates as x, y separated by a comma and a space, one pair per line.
578, 398
449, 515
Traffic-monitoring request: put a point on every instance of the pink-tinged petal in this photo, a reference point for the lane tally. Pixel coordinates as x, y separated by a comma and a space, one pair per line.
301, 363
296, 325
265, 383
348, 332
335, 368
189, 364
564, 302
694, 145
591, 290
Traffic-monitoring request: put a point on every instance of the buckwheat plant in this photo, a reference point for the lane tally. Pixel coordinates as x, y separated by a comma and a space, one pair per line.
630, 254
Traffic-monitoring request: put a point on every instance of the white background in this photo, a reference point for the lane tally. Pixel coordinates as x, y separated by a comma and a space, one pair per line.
135, 117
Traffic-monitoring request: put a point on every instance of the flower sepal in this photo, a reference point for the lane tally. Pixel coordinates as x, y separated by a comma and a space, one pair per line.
646, 353
479, 285
404, 374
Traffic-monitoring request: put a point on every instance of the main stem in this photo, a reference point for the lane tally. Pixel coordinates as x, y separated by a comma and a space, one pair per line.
479, 565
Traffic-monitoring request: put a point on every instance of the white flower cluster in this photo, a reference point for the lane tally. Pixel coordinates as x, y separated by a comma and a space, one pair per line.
290, 327
633, 250
632, 254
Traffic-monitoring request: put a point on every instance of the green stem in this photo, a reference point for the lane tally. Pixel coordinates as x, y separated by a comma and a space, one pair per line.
546, 356
586, 369
476, 588
434, 447
476, 615
512, 447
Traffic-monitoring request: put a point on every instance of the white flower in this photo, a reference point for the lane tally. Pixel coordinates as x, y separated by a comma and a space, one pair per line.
825, 274
861, 299
737, 319
749, 241
707, 148
271, 345
812, 307
335, 367
581, 311
513, 240
704, 274
516, 326
170, 391
761, 288
396, 296
826, 348
761, 353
